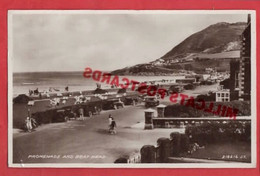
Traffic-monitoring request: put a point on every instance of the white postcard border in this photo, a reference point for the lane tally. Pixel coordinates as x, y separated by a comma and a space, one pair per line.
156, 165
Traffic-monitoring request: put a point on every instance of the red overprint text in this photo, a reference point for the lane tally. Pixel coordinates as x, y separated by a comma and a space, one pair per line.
152, 90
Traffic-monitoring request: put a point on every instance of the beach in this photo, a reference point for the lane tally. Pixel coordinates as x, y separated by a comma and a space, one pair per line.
20, 111
23, 82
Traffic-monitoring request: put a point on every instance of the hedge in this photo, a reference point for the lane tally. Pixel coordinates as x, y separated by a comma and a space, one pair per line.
218, 132
177, 110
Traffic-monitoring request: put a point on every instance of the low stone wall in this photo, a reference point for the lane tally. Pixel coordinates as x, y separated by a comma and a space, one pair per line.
163, 121
165, 148
201, 132
174, 122
167, 123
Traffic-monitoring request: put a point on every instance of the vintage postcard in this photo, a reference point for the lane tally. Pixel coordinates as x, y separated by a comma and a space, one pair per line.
132, 89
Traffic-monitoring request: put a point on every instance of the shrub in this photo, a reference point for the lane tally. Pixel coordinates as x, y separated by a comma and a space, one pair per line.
218, 132
177, 110
207, 97
121, 160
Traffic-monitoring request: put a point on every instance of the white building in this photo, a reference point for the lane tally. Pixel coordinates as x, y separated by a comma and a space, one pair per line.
223, 95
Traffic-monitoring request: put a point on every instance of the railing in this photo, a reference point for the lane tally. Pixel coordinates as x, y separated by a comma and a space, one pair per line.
134, 158
175, 122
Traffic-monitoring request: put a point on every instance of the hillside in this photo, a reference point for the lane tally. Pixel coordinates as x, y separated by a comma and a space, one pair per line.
218, 44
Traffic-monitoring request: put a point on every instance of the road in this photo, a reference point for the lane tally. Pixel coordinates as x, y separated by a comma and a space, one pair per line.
89, 139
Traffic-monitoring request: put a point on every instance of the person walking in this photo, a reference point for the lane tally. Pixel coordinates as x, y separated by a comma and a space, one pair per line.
113, 127
110, 119
28, 124
81, 114
34, 123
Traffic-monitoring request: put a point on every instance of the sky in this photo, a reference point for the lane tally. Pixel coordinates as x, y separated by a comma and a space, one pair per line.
72, 42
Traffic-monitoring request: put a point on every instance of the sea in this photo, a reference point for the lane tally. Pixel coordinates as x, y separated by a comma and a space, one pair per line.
23, 82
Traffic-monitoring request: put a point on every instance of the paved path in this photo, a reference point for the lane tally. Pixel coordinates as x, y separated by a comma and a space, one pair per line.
89, 139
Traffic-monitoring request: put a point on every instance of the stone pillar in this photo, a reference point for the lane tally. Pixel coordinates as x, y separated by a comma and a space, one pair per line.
160, 110
164, 150
148, 154
175, 144
149, 115
179, 143
184, 143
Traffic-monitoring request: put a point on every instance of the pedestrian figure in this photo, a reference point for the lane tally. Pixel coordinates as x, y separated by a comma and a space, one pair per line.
113, 127
28, 124
36, 91
34, 123
30, 92
110, 118
72, 115
81, 114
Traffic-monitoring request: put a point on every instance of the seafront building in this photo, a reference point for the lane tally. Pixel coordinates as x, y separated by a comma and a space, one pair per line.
240, 69
245, 69
234, 79
223, 95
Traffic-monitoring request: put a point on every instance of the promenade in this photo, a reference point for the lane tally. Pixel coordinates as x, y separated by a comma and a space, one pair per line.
89, 138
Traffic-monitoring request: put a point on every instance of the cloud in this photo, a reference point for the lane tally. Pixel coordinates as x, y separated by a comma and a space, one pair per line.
70, 42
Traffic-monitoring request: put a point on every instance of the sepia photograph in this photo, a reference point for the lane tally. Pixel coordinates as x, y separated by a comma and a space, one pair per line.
126, 88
